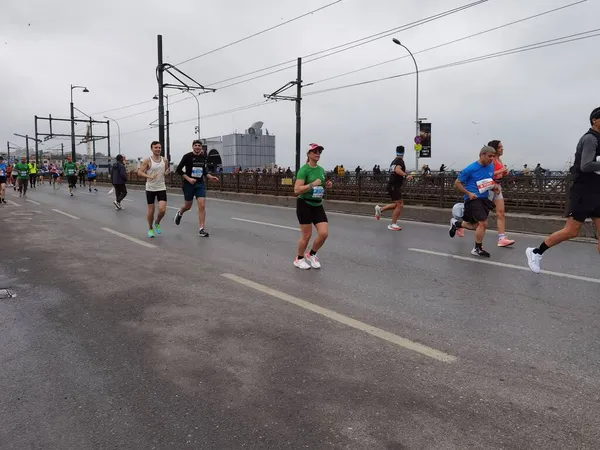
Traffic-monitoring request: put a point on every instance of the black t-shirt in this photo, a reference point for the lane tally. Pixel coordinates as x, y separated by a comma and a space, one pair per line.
192, 165
395, 179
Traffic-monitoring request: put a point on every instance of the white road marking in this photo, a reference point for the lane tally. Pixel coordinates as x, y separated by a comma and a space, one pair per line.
265, 223
129, 238
31, 201
353, 323
65, 214
10, 202
509, 266
173, 207
127, 200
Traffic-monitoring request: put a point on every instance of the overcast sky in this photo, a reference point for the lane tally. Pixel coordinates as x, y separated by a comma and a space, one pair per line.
537, 102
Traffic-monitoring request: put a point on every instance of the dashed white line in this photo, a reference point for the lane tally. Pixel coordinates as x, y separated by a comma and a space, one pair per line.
65, 214
10, 202
265, 223
508, 266
353, 323
34, 202
129, 238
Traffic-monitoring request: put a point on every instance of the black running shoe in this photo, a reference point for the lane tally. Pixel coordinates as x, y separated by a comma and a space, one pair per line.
452, 230
479, 251
177, 218
202, 233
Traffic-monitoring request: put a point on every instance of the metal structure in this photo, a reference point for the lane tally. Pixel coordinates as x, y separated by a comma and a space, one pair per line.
10, 146
118, 130
168, 119
188, 85
84, 89
298, 99
27, 139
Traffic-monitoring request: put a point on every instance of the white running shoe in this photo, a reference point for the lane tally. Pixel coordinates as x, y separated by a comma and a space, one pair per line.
534, 260
378, 212
301, 264
313, 260
394, 227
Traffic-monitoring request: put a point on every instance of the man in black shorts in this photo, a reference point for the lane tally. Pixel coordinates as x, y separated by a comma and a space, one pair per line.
475, 182
394, 188
584, 197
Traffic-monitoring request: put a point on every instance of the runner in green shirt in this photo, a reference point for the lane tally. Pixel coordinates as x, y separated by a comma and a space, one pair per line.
310, 188
70, 169
22, 169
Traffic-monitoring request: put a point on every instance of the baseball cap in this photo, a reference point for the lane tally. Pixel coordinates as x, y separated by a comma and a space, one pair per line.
400, 150
313, 147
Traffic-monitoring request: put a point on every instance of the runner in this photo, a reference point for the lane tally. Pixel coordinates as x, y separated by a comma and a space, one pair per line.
500, 170
82, 173
154, 170
22, 169
584, 197
475, 182
70, 169
119, 178
309, 208
53, 175
91, 171
394, 188
32, 175
3, 168
193, 170
15, 173
9, 170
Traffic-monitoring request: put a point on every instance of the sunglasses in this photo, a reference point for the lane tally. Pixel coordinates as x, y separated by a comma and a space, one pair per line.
316, 150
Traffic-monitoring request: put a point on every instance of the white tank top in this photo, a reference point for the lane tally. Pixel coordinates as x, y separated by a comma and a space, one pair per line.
158, 184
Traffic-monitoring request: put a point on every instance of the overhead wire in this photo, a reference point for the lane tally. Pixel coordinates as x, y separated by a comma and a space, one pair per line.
261, 32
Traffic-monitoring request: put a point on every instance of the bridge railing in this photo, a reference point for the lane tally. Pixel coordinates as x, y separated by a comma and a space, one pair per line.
527, 194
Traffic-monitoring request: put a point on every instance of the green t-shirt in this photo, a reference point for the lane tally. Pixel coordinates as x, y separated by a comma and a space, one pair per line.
22, 170
310, 174
70, 169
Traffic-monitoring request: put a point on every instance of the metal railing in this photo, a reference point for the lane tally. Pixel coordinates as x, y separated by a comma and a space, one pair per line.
526, 194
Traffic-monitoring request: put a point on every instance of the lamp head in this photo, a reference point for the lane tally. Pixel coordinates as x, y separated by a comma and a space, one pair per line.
85, 90
155, 97
396, 41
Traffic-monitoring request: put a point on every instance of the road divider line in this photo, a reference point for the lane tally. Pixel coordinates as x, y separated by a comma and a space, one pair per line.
65, 214
129, 238
508, 266
265, 223
10, 202
31, 201
345, 320
172, 207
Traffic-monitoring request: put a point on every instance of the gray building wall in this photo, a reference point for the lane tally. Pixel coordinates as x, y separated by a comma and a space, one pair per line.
247, 151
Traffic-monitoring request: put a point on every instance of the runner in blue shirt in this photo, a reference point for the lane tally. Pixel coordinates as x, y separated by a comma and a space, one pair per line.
475, 182
2, 180
91, 171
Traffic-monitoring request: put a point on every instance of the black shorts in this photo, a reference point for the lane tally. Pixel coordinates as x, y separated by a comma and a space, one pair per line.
395, 192
90, 179
2, 180
583, 204
477, 210
152, 196
308, 214
72, 179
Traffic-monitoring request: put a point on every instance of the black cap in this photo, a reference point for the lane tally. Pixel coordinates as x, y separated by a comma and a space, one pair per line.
595, 115
197, 141
400, 150
120, 158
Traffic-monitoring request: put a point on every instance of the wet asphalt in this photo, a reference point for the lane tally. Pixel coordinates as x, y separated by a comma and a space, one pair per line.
112, 344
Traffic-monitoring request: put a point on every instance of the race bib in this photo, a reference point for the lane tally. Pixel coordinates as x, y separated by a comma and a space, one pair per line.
24, 173
92, 172
318, 192
485, 185
598, 159
2, 173
70, 171
197, 172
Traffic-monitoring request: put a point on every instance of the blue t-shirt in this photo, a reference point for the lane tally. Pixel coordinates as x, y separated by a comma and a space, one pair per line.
91, 170
3, 170
478, 179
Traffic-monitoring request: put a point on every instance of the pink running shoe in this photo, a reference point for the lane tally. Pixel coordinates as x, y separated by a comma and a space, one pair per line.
460, 232
505, 242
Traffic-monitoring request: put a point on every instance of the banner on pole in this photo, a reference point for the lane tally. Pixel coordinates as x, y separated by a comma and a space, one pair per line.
425, 135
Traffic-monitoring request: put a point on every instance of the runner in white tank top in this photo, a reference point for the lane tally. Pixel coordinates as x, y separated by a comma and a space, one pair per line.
154, 170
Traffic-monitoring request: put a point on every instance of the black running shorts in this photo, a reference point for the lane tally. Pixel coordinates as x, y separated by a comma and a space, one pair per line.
477, 210
583, 204
152, 196
395, 192
308, 214
2, 180
72, 179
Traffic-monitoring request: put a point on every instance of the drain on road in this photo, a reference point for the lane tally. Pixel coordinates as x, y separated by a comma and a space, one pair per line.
7, 293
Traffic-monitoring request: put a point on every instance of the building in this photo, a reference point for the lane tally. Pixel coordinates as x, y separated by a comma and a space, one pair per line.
251, 150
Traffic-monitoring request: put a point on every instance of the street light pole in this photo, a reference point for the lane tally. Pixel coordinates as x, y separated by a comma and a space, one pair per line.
168, 136
119, 130
73, 153
397, 42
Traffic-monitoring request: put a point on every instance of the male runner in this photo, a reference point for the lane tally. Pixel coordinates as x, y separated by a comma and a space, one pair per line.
475, 182
118, 175
14, 174
154, 169
394, 188
584, 197
32, 175
82, 171
70, 169
193, 170
91, 171
22, 169
3, 168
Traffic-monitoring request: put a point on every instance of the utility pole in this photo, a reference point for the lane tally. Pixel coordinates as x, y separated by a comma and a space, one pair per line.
62, 151
27, 138
37, 157
161, 106
298, 100
168, 138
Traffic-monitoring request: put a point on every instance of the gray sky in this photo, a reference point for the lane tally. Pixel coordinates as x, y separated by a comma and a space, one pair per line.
537, 102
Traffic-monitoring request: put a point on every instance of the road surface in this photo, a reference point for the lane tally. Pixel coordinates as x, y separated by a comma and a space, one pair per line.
118, 341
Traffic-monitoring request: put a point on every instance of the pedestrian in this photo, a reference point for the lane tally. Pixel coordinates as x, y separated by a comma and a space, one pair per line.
119, 180
584, 197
